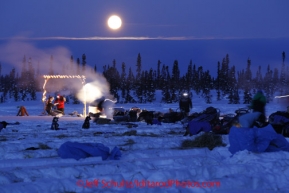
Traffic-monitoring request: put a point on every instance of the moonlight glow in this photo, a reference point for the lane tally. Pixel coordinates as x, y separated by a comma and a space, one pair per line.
114, 22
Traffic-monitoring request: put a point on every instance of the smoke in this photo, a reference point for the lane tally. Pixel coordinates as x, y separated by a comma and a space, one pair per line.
59, 59
95, 88
14, 51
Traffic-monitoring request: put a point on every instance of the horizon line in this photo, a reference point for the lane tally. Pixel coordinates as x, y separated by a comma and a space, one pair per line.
139, 38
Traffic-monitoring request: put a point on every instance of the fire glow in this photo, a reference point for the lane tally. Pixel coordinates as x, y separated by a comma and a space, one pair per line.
47, 77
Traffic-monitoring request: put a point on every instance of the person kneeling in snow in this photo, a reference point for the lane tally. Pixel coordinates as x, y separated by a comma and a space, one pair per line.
59, 102
258, 104
49, 107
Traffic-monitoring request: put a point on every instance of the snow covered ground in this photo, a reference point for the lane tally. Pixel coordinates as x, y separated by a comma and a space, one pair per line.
151, 161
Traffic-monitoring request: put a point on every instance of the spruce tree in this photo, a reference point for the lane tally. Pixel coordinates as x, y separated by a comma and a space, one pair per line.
123, 81
218, 82
189, 77
151, 88
232, 86
138, 84
71, 66
112, 76
95, 69
207, 85
13, 85
195, 79
138, 66
83, 64
224, 76
166, 95
23, 81
51, 70
199, 80
158, 75
78, 66
247, 83
259, 79
129, 86
31, 87
175, 81
283, 82
268, 84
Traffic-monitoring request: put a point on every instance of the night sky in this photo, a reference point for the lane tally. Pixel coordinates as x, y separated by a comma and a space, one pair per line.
166, 30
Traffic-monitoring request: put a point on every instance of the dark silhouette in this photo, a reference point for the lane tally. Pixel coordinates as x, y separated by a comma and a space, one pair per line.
185, 104
258, 105
86, 123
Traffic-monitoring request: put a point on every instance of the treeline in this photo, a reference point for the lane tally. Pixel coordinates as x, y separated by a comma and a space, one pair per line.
140, 86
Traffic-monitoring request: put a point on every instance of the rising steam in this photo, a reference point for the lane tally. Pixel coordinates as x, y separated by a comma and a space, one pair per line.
94, 87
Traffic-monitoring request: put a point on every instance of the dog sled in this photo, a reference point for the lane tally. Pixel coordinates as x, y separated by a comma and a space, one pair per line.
280, 122
203, 121
210, 120
173, 116
228, 120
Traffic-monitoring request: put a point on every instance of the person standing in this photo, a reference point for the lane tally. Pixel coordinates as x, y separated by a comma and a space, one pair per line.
59, 102
185, 104
258, 102
258, 105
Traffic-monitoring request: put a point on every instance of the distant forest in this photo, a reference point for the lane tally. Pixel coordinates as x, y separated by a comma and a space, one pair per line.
140, 86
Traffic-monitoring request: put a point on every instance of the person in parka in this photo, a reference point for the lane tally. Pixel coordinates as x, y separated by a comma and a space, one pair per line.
185, 104
258, 104
59, 102
49, 106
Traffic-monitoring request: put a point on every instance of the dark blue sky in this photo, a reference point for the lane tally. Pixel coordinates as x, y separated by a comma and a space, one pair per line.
208, 30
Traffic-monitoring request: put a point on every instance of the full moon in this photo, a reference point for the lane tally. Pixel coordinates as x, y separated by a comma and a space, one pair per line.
114, 22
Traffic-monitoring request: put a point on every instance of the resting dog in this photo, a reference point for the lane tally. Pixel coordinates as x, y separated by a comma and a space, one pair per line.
55, 125
3, 124
146, 116
86, 123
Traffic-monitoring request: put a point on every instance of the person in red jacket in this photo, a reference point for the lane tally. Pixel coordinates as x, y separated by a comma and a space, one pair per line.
59, 102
